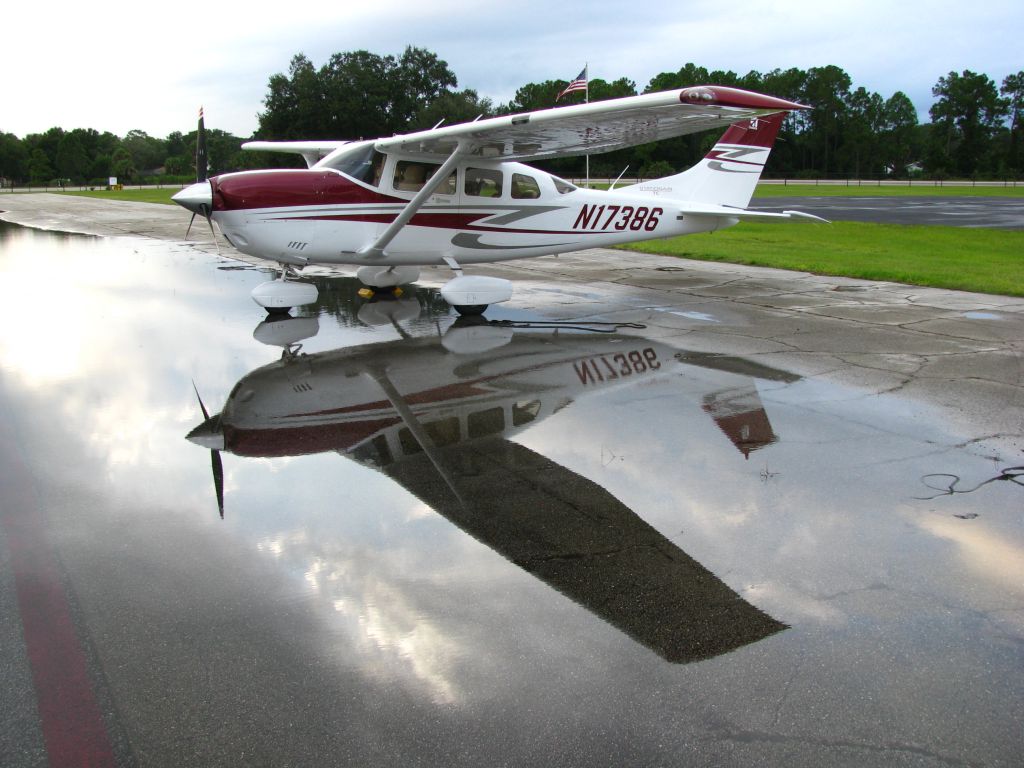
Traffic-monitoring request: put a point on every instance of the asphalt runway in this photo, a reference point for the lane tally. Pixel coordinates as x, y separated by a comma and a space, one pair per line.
663, 513
991, 212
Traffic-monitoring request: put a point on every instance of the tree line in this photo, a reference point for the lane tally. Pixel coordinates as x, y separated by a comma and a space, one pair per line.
975, 129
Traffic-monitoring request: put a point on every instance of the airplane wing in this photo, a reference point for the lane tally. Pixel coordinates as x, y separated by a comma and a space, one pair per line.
593, 128
312, 151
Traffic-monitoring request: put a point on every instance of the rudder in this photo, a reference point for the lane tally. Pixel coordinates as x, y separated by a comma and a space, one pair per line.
729, 173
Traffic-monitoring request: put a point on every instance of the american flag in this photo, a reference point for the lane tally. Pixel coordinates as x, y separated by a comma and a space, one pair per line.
579, 84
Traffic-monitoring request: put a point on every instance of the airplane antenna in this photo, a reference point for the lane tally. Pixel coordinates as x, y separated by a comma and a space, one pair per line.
618, 177
478, 117
438, 124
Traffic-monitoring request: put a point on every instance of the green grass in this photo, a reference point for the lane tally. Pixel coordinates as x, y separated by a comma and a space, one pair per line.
982, 260
148, 195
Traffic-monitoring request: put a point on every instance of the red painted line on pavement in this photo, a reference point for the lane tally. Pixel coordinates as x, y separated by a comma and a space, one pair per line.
72, 723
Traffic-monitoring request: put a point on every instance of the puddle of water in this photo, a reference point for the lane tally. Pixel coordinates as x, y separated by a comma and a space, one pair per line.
506, 540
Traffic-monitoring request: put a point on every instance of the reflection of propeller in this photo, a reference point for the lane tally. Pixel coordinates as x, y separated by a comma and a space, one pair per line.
210, 435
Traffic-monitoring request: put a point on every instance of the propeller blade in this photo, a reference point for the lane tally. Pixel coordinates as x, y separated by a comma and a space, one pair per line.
209, 220
202, 163
206, 414
202, 173
218, 480
206, 435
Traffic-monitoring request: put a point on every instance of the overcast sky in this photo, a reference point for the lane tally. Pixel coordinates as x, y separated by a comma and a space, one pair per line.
117, 66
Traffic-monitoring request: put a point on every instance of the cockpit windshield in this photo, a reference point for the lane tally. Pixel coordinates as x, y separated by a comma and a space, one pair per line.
363, 163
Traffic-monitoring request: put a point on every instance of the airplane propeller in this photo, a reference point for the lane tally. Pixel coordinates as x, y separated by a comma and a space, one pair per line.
202, 163
210, 435
202, 174
204, 209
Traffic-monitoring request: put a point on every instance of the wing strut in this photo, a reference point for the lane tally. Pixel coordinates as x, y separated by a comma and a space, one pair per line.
376, 249
418, 432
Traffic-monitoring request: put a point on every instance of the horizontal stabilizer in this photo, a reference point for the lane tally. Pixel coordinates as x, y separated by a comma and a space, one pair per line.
743, 214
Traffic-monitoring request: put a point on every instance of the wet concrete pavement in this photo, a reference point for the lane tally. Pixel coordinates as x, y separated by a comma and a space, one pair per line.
780, 523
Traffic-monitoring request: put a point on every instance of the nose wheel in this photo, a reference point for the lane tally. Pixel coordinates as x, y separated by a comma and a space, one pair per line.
280, 295
470, 310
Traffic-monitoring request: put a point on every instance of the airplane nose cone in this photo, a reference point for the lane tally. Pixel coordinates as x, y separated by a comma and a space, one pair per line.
195, 197
208, 435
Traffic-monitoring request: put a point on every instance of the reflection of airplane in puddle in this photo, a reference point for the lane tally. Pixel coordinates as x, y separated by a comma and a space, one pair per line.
435, 415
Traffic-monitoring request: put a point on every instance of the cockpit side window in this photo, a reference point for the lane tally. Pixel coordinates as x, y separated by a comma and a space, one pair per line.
524, 187
411, 175
563, 186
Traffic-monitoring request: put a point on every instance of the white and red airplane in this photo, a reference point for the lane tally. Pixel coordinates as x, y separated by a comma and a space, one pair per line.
458, 195
438, 415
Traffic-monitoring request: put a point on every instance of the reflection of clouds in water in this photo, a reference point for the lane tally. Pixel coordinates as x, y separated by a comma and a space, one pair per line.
95, 340
46, 344
798, 605
384, 619
987, 553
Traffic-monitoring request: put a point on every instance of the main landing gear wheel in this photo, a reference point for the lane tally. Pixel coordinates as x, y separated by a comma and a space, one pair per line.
472, 294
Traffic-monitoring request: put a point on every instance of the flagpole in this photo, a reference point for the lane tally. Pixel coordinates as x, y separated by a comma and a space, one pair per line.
586, 100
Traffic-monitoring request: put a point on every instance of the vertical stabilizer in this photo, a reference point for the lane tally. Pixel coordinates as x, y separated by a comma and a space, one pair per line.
729, 173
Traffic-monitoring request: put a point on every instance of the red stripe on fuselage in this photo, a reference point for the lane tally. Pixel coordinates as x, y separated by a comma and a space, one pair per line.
459, 221
318, 189
286, 189
269, 442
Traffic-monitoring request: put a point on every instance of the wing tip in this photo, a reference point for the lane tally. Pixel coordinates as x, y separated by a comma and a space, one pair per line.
724, 96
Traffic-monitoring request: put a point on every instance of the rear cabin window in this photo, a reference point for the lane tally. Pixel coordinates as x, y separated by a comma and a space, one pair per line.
441, 433
524, 187
483, 182
483, 423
